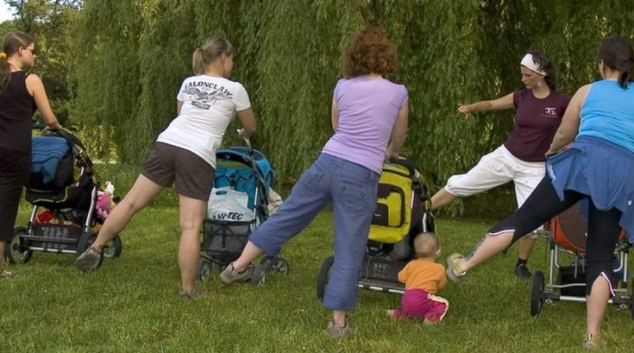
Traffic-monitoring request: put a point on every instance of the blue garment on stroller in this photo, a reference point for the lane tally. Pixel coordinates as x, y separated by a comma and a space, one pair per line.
46, 154
250, 173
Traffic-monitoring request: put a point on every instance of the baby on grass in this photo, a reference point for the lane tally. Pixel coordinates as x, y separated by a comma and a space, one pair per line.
423, 277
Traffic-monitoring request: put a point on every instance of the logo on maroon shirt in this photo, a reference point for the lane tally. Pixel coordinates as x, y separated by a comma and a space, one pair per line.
551, 111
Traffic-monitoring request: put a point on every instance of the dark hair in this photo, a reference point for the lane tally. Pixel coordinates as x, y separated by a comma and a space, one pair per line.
544, 64
11, 45
370, 52
616, 53
212, 49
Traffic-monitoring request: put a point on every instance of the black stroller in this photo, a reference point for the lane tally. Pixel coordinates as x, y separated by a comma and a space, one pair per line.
238, 204
403, 211
63, 190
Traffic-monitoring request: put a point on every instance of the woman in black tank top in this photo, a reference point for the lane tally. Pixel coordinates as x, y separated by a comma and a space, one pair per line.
21, 94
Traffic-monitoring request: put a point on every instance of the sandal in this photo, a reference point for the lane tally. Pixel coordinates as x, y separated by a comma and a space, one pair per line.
338, 332
593, 342
454, 272
5, 274
194, 293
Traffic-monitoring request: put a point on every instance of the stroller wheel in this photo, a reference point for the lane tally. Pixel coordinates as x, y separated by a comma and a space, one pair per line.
537, 293
85, 241
323, 276
266, 261
204, 270
113, 248
275, 265
258, 276
632, 299
17, 250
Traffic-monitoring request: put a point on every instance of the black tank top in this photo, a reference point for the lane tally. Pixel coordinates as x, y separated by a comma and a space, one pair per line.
17, 107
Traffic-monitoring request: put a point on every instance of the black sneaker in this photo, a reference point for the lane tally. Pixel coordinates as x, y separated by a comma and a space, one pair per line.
522, 272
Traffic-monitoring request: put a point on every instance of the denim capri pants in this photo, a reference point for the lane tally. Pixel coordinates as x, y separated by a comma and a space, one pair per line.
352, 189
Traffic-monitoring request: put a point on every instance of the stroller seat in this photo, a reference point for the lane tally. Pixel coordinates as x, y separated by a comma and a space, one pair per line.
568, 230
238, 204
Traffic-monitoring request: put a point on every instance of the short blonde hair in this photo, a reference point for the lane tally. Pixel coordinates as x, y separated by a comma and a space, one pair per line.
426, 244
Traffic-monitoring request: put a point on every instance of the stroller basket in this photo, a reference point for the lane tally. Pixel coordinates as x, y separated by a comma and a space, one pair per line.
53, 237
382, 269
224, 240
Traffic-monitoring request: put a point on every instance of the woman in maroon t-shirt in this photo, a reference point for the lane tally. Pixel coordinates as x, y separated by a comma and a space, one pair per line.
538, 112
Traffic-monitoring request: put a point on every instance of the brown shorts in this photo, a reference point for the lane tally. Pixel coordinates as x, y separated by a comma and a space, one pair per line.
169, 165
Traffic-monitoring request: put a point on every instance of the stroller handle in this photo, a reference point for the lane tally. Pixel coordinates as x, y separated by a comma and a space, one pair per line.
61, 132
247, 141
40, 126
405, 162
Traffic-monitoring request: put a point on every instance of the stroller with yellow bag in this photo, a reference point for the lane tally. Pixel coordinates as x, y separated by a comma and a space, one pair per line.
402, 211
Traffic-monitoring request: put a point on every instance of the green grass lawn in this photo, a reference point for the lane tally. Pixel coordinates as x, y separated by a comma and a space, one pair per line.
131, 304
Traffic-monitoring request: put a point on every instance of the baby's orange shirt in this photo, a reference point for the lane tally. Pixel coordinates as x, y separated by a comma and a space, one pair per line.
423, 274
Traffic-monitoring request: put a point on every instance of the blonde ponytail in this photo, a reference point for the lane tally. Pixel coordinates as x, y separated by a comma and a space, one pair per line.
213, 48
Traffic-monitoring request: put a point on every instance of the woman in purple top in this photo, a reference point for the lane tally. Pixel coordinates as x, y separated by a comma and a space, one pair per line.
538, 112
368, 111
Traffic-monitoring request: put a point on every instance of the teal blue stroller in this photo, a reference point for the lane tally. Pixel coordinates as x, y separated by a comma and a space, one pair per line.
237, 206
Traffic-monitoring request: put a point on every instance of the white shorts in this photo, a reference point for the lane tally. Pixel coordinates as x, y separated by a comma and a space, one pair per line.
497, 168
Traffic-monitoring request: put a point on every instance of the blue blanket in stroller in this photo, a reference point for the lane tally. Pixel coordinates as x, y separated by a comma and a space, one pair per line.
45, 155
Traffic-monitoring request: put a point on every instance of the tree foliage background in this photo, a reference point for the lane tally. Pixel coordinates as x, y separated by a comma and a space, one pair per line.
124, 61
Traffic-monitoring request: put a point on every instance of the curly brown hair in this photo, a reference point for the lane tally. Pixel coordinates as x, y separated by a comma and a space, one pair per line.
370, 52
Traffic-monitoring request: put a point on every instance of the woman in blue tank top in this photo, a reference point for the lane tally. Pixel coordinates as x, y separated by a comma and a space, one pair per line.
596, 170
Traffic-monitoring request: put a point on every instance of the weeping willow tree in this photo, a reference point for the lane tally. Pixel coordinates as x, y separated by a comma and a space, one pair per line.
132, 55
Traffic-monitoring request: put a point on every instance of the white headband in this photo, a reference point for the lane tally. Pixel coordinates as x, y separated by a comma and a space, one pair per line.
530, 64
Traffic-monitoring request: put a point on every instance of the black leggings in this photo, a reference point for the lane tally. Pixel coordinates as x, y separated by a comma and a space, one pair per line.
543, 204
14, 172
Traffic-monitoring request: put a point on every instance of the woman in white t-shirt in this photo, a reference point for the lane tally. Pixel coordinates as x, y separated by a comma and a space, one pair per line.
185, 156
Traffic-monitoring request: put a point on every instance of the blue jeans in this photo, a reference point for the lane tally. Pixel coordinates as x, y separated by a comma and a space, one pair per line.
352, 190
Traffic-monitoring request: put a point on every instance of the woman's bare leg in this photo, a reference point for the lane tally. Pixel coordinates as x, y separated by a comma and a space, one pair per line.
142, 192
596, 304
526, 245
249, 254
489, 246
2, 247
191, 214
